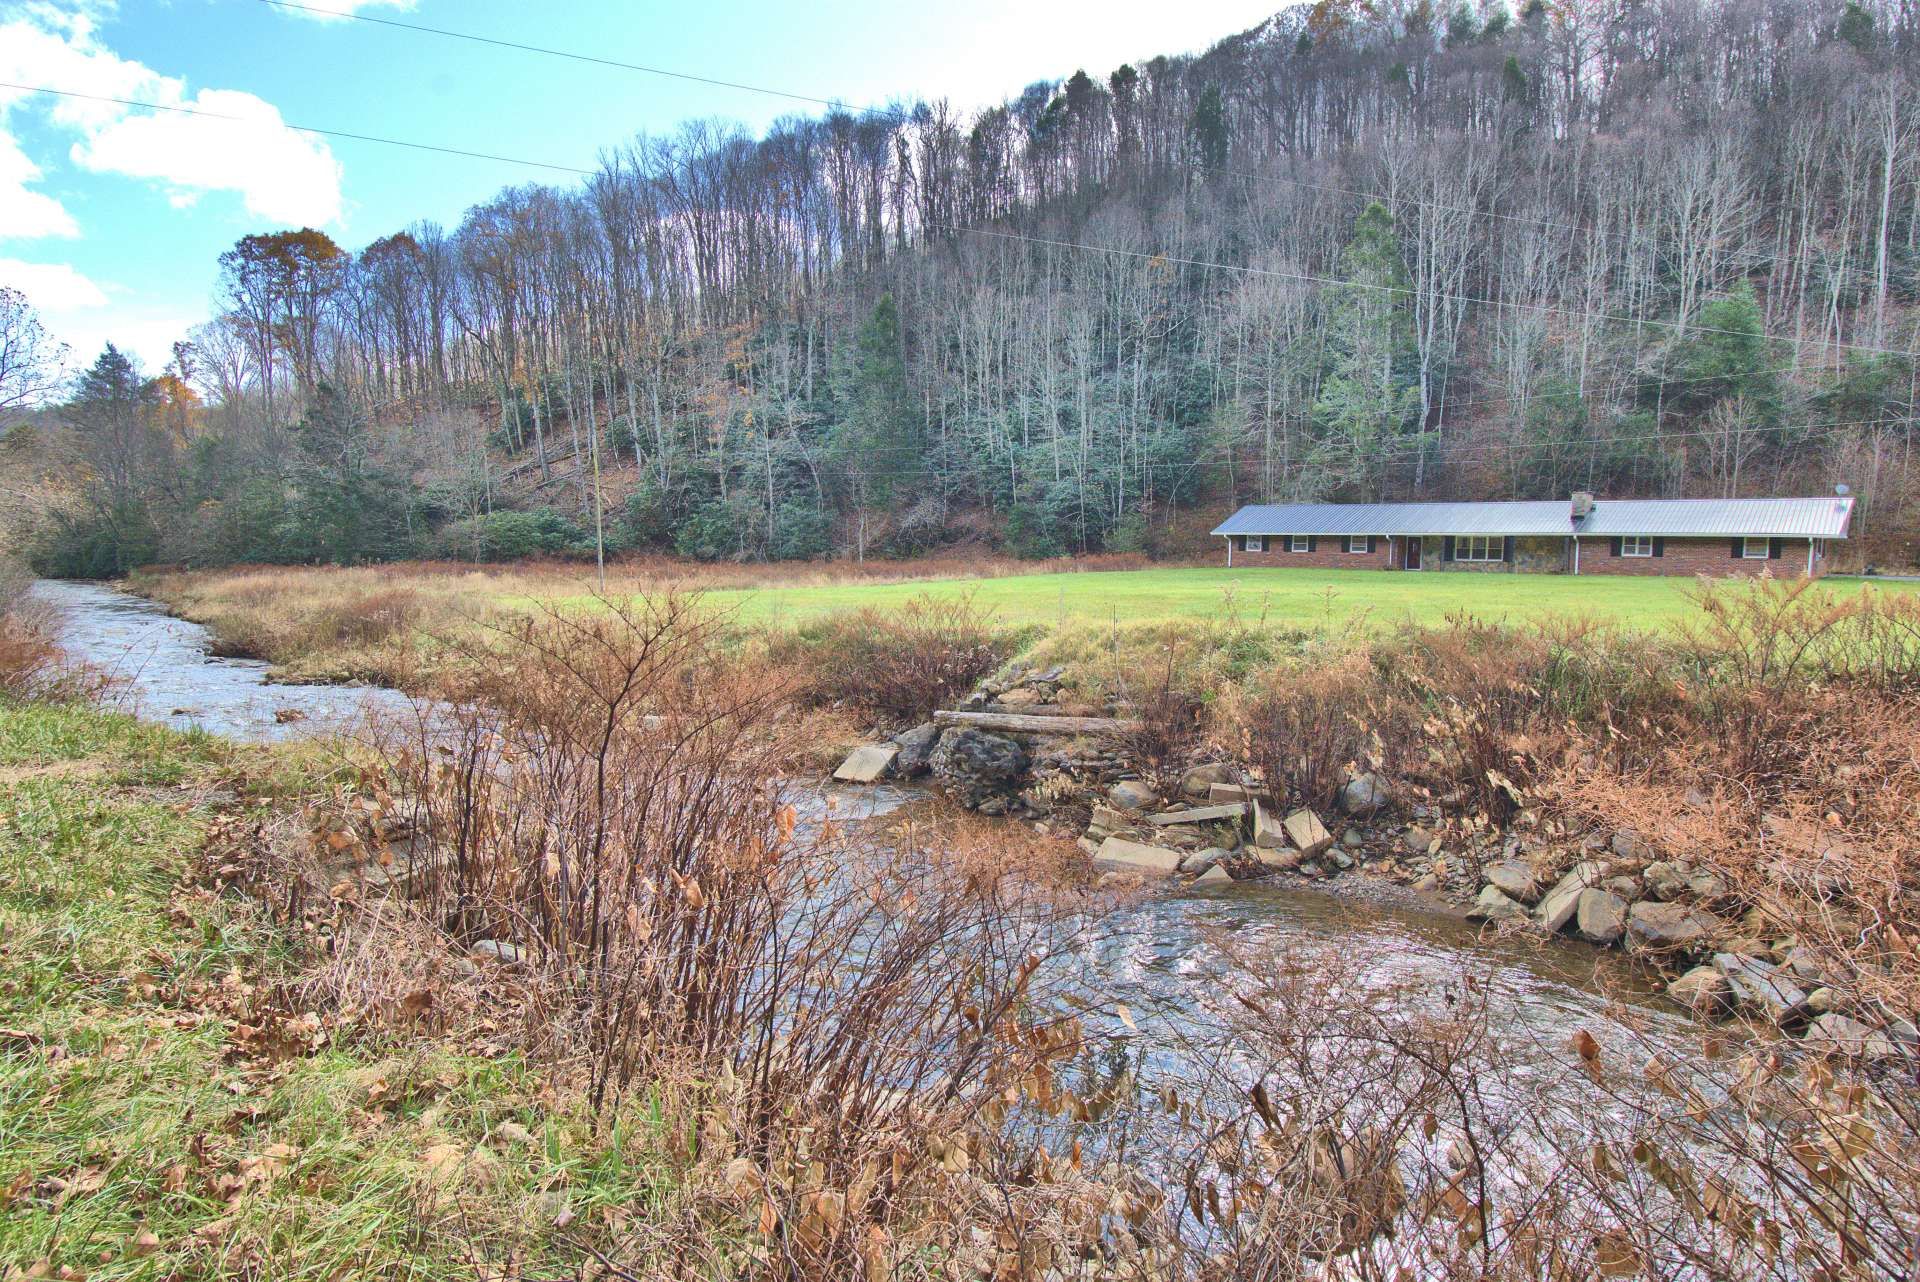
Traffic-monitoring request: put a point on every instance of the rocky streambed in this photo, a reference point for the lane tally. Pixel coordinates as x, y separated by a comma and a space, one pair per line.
1152, 957
1015, 748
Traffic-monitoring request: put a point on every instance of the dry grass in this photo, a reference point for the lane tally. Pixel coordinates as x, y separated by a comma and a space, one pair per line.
894, 666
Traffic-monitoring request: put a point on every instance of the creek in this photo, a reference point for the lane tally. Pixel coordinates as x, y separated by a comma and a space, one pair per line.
1158, 957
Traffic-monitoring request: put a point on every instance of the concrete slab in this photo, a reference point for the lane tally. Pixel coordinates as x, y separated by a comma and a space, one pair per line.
867, 763
1133, 856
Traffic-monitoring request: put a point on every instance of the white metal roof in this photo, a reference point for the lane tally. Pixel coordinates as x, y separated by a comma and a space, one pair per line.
1821, 518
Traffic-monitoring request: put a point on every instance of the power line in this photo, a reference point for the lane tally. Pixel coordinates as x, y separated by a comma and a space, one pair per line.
904, 117
591, 59
305, 129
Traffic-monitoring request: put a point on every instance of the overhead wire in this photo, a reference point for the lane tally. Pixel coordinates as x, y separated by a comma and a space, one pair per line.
257, 122
1006, 235
901, 116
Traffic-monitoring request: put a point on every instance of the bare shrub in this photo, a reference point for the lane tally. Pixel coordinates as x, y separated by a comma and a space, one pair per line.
1304, 726
28, 655
33, 666
848, 1021
1167, 725
899, 664
1332, 1132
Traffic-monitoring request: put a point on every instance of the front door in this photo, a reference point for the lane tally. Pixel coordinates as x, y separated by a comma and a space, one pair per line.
1413, 553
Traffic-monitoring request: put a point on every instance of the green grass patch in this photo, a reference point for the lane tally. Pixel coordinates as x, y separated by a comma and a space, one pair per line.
141, 1139
1285, 600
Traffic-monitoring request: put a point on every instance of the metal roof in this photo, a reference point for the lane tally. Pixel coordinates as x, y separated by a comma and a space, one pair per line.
1821, 518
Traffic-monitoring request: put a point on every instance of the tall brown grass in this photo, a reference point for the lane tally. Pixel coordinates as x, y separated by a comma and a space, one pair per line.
32, 664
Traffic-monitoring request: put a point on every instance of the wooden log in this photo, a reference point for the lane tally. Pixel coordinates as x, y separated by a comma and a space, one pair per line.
1023, 723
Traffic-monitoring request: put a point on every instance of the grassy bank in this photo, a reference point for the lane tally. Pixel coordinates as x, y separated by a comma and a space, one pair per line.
675, 1022
390, 623
172, 1106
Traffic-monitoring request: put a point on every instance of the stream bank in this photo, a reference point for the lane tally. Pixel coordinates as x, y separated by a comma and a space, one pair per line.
1150, 957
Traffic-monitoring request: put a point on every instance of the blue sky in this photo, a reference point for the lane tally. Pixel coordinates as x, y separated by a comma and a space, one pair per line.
111, 218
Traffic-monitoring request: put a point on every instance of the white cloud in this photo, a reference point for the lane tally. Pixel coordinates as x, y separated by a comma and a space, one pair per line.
51, 287
86, 316
332, 10
279, 174
26, 214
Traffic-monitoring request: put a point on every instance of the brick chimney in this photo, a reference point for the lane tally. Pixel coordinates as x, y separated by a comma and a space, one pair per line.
1582, 507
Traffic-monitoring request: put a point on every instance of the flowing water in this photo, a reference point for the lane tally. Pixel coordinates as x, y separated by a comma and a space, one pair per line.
1159, 958
165, 671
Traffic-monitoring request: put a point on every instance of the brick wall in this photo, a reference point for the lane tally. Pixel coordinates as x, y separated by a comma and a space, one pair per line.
1329, 553
1679, 556
1694, 556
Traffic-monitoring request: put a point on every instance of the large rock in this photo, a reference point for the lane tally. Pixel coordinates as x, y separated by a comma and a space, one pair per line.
1268, 833
1199, 781
1131, 794
1308, 835
1669, 926
977, 768
1631, 846
1221, 793
1763, 988
1492, 905
1600, 915
916, 750
1840, 1036
1201, 860
867, 763
1558, 905
1363, 795
1278, 859
1217, 875
1667, 879
1132, 856
1514, 879
1704, 991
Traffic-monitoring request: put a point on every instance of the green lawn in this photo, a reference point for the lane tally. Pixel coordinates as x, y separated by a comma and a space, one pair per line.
1282, 598
147, 1133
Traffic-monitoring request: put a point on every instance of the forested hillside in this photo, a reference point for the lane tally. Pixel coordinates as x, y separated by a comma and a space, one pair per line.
1361, 251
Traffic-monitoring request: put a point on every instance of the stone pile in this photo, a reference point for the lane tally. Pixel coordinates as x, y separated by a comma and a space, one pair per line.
997, 772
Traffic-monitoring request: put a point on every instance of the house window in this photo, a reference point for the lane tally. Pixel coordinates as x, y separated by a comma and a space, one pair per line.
1636, 545
1479, 547
1255, 543
1756, 549
1361, 543
1300, 543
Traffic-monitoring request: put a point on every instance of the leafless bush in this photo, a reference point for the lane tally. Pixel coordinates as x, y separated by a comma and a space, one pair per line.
1168, 724
1304, 726
899, 664
1384, 1136
849, 1019
32, 664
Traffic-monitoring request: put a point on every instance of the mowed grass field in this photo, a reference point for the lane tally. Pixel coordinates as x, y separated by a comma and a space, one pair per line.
1289, 599
393, 623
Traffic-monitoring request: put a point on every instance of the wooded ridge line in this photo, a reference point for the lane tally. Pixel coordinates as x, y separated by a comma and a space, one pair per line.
1501, 255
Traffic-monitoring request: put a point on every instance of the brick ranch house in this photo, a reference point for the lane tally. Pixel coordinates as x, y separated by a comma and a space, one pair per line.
1786, 537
